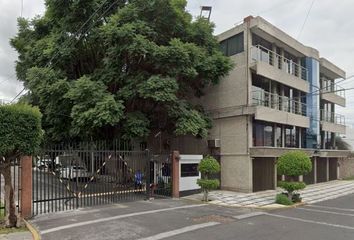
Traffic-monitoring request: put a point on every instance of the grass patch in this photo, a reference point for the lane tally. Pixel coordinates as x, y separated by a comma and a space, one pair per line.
283, 200
349, 178
5, 230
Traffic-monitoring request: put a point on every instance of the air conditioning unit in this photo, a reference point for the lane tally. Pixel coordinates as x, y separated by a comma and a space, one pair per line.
214, 143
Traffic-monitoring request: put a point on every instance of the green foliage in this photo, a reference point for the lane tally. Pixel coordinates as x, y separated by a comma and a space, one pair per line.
208, 184
283, 199
141, 63
291, 186
209, 165
20, 130
294, 163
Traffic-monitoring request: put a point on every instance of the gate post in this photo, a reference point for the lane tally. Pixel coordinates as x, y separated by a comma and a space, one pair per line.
175, 174
26, 187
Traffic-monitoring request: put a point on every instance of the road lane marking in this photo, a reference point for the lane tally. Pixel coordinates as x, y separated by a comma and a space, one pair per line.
117, 217
333, 208
248, 215
180, 231
322, 211
311, 221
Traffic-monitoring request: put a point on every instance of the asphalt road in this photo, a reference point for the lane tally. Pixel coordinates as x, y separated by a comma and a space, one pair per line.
178, 219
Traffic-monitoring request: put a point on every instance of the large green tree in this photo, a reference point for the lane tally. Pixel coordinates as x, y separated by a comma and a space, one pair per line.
131, 70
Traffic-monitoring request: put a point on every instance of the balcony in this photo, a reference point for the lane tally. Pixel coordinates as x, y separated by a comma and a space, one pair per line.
332, 122
278, 68
333, 93
279, 109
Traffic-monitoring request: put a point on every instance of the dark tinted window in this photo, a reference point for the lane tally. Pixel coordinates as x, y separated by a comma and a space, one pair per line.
232, 45
189, 170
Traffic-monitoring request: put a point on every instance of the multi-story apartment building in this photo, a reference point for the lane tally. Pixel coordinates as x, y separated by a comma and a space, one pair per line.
280, 96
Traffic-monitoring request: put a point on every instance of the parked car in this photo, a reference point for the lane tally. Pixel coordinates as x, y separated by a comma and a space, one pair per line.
74, 173
47, 162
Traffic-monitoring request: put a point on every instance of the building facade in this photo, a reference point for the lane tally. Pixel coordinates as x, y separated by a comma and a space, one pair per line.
280, 96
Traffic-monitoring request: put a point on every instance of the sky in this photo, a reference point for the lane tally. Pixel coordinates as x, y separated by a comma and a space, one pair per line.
328, 28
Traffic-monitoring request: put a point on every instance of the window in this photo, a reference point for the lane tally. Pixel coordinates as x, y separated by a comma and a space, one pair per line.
278, 136
291, 137
232, 45
189, 170
262, 134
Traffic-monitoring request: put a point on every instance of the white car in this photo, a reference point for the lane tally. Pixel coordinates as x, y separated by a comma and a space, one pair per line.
75, 173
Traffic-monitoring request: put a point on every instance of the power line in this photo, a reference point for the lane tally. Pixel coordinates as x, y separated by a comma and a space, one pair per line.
308, 14
49, 63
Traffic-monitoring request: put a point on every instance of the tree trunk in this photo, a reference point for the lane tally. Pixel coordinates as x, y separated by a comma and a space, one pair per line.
205, 195
10, 207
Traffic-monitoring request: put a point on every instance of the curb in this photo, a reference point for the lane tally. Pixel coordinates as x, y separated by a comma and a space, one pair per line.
33, 230
249, 207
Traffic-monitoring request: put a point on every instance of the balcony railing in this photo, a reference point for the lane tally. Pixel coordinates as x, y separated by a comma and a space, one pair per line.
260, 53
329, 86
275, 101
332, 117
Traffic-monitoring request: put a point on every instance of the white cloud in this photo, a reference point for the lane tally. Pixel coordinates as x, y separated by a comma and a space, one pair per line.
328, 29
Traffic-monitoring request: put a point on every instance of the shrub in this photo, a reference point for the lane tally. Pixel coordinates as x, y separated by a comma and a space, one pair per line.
291, 186
20, 134
208, 166
293, 164
283, 199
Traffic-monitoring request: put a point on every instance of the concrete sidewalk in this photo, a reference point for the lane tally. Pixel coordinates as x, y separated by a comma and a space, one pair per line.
17, 236
265, 199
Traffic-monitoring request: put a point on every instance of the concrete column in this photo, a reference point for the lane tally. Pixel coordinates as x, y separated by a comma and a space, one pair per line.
298, 67
301, 178
281, 59
327, 169
26, 187
315, 169
175, 174
275, 174
274, 56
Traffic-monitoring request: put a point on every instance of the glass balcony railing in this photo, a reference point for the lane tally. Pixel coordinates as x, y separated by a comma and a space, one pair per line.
260, 53
329, 86
275, 101
332, 117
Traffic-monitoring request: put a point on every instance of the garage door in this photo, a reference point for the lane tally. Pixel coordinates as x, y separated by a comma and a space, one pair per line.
263, 174
310, 177
333, 165
321, 170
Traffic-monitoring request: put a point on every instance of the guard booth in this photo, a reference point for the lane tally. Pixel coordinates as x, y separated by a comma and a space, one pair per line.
189, 174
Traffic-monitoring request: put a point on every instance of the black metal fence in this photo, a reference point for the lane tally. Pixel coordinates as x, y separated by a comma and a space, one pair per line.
70, 176
16, 184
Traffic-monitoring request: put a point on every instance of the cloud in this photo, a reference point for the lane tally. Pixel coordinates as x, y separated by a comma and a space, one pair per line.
328, 29
10, 11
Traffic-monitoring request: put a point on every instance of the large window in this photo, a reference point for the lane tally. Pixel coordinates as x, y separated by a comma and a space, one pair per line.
189, 170
232, 45
278, 136
262, 134
291, 137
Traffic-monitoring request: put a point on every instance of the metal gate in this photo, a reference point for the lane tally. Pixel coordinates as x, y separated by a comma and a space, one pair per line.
70, 176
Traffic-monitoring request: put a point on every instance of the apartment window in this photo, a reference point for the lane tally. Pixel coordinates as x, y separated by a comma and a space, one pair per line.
262, 134
232, 45
278, 134
291, 137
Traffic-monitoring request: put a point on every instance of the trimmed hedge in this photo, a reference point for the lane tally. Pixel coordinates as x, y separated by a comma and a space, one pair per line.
294, 163
283, 199
20, 130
